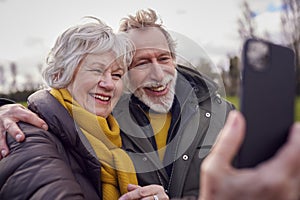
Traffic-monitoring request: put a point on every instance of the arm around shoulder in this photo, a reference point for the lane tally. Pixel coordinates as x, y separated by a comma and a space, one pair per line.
4, 101
36, 169
10, 114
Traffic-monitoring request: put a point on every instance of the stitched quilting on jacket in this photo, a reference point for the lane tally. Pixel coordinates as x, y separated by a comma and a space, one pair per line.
54, 164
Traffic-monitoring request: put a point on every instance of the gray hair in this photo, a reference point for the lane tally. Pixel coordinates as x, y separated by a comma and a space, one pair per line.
72, 46
147, 18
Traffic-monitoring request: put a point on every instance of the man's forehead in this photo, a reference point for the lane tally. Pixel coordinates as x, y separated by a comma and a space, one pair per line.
141, 52
148, 37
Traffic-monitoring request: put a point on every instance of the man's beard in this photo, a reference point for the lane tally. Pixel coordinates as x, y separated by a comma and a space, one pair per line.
160, 104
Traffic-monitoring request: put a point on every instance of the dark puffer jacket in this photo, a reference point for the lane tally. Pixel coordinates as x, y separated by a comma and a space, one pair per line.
54, 164
198, 114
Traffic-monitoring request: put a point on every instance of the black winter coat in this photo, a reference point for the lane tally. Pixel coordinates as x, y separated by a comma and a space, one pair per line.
54, 164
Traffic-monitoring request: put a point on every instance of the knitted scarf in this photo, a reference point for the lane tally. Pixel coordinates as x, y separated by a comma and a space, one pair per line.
117, 169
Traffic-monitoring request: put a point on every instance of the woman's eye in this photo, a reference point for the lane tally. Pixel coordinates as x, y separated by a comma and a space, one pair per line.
119, 76
98, 71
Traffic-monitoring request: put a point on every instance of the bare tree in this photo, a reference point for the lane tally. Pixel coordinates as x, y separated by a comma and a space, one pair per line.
2, 79
246, 29
290, 20
13, 70
246, 23
234, 75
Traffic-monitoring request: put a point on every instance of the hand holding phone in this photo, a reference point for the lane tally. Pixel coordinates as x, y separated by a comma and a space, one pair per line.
267, 100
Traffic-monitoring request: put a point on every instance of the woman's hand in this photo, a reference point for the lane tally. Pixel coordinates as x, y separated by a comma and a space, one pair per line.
149, 192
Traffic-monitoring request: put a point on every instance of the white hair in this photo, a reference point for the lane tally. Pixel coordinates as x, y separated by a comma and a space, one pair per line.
75, 43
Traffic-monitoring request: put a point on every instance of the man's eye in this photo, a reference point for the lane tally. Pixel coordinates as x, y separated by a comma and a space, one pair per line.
141, 63
165, 59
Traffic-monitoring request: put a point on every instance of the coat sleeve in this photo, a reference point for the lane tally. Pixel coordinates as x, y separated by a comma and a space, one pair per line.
4, 101
37, 169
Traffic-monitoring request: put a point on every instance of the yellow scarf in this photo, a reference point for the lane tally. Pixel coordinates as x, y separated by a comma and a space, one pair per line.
117, 169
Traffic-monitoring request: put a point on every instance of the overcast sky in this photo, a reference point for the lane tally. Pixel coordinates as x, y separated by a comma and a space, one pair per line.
30, 27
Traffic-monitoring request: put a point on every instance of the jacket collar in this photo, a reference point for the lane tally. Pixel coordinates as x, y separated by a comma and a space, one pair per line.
203, 86
57, 117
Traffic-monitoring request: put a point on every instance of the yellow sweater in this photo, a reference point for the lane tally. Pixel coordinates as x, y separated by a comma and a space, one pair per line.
160, 124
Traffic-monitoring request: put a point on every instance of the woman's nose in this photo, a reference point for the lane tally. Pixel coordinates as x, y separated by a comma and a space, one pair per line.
106, 82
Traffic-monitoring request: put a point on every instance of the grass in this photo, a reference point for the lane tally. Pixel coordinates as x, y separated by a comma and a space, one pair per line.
235, 101
24, 103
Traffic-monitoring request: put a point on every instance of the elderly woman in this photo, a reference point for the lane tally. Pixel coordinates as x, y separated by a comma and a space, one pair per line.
79, 157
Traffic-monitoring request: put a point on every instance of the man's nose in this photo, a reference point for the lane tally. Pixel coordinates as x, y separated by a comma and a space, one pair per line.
157, 72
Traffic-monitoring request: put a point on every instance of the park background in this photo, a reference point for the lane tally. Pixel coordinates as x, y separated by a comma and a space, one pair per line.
210, 35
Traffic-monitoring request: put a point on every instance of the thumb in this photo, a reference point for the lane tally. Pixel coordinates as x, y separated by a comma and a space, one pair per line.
288, 155
131, 187
230, 138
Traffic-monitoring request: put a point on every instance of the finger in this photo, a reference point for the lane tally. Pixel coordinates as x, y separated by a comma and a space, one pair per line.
288, 156
158, 196
134, 194
3, 146
28, 116
11, 114
154, 190
13, 129
219, 159
131, 187
230, 139
149, 198
130, 195
142, 192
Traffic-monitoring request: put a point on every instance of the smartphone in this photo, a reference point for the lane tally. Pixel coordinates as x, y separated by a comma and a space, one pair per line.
268, 89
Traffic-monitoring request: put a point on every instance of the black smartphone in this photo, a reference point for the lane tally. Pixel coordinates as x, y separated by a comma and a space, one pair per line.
268, 88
